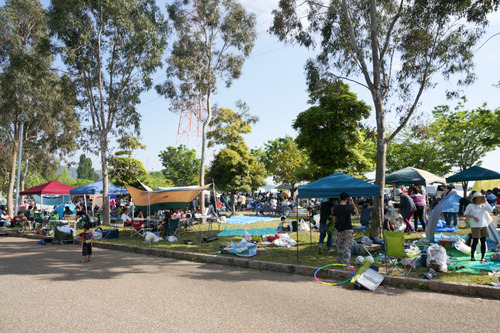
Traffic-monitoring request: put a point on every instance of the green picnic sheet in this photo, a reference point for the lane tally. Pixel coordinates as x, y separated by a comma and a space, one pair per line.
473, 267
241, 232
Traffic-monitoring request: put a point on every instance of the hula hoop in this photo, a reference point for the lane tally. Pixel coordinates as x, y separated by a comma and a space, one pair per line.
335, 283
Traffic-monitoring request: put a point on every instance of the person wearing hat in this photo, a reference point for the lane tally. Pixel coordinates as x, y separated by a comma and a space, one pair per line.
479, 213
406, 209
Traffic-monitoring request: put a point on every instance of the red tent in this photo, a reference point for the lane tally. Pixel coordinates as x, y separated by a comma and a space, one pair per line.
52, 187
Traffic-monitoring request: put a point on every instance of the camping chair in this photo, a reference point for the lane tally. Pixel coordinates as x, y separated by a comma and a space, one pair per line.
173, 227
394, 249
137, 228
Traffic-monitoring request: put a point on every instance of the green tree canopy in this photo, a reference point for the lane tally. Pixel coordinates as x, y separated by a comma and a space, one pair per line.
393, 48
465, 136
417, 147
330, 132
126, 170
288, 166
111, 49
180, 165
234, 168
85, 169
211, 45
155, 179
29, 85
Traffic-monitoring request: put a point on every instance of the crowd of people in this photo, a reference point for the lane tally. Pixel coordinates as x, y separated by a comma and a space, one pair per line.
414, 204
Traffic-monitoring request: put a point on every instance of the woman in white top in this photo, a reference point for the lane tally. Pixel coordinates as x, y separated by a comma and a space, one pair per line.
479, 213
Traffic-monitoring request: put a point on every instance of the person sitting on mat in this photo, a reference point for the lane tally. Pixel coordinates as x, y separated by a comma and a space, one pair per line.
479, 213
281, 227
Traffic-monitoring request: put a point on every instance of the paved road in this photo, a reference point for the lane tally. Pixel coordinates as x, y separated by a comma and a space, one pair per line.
47, 289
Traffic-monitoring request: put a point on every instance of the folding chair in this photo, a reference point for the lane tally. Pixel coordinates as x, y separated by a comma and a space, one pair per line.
394, 249
137, 228
173, 227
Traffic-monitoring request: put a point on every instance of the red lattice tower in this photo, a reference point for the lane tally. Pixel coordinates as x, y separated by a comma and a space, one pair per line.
192, 113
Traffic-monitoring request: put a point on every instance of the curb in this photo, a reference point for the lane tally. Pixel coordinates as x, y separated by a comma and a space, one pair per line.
456, 288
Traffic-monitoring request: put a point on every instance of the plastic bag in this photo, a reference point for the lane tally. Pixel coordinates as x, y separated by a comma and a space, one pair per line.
248, 237
172, 239
151, 237
462, 247
436, 258
303, 225
97, 234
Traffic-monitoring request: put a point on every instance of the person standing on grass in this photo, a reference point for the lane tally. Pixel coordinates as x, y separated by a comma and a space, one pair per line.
325, 212
479, 213
342, 219
418, 200
406, 209
87, 239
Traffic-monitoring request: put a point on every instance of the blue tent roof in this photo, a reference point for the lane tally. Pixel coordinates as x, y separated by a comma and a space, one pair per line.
473, 173
96, 188
331, 187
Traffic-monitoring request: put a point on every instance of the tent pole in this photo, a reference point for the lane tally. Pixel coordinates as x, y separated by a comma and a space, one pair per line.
310, 222
297, 200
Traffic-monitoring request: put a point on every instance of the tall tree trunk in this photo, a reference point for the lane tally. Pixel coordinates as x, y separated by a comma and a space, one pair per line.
105, 187
12, 181
204, 151
378, 207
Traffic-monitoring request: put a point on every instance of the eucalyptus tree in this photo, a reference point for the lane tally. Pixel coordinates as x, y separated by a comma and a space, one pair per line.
213, 38
394, 48
111, 48
29, 85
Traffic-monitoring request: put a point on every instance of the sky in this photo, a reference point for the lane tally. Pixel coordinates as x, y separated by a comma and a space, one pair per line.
273, 85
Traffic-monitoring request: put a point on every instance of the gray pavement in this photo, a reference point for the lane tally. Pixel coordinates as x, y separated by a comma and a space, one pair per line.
47, 289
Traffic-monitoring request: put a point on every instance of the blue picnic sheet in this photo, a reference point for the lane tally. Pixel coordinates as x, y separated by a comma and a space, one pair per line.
241, 232
240, 220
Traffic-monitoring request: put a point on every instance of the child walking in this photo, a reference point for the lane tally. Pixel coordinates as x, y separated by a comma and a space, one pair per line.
87, 239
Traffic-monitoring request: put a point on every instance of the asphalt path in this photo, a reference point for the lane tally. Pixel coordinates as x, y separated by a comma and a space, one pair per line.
46, 288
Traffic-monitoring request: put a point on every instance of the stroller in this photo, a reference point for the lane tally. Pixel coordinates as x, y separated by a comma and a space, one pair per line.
62, 237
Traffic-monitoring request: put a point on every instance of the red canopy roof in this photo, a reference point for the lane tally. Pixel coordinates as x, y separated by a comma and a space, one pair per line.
52, 187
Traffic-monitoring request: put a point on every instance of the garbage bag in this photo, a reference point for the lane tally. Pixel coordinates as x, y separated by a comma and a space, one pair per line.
436, 258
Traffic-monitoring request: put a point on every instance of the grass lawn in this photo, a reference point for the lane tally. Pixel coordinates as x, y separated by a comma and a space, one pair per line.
308, 249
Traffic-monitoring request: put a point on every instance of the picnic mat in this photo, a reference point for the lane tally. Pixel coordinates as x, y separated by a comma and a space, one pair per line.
241, 232
240, 220
474, 267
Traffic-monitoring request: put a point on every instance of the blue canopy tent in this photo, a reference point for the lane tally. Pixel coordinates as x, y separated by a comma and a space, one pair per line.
473, 173
331, 187
96, 188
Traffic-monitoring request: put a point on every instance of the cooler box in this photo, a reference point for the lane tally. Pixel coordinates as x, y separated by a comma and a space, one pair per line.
110, 233
447, 243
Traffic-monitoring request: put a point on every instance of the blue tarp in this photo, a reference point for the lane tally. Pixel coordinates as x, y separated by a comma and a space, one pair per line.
452, 205
436, 213
240, 220
242, 249
333, 185
96, 188
241, 232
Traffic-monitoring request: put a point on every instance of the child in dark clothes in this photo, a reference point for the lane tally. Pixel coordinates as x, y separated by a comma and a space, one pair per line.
87, 239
